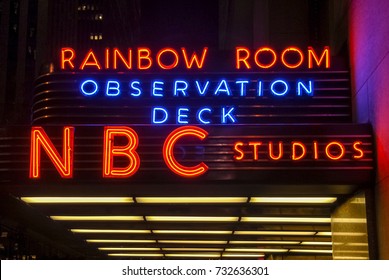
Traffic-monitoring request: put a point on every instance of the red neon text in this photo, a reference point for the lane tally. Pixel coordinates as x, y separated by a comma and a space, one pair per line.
111, 151
168, 151
143, 58
291, 57
64, 164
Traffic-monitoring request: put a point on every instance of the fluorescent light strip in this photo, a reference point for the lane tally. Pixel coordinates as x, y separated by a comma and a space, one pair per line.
77, 199
193, 249
120, 241
82, 230
193, 255
310, 200
127, 249
286, 219
310, 251
97, 218
324, 233
256, 250
350, 220
232, 255
316, 243
172, 231
280, 232
191, 199
351, 258
264, 242
193, 241
134, 255
190, 219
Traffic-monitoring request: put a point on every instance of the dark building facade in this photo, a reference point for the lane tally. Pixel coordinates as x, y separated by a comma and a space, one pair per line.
324, 207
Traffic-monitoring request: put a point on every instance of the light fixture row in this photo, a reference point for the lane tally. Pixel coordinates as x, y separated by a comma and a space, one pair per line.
194, 219
178, 200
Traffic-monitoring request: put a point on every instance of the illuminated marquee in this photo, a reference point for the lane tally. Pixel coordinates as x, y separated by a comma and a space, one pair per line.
255, 151
162, 88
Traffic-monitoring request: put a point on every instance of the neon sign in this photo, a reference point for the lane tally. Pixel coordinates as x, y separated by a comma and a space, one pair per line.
114, 152
169, 58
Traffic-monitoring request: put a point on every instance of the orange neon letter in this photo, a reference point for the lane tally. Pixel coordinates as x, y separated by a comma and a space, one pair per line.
117, 53
303, 151
40, 139
358, 149
280, 151
255, 148
168, 151
261, 65
315, 150
90, 60
330, 155
67, 56
111, 150
324, 56
144, 55
170, 66
194, 58
292, 49
237, 148
243, 59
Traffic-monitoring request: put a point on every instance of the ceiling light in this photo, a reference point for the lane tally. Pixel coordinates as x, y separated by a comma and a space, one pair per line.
280, 232
82, 230
97, 218
193, 255
286, 219
120, 241
191, 199
233, 255
310, 251
310, 200
77, 199
256, 250
190, 219
173, 231
135, 255
314, 243
193, 241
264, 242
193, 249
127, 249
324, 233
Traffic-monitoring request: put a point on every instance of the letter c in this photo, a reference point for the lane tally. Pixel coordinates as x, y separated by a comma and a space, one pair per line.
168, 151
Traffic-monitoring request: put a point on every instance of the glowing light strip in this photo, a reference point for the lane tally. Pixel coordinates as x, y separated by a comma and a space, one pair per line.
229, 255
97, 218
190, 219
280, 232
310, 251
194, 255
168, 231
134, 255
312, 200
193, 241
316, 243
256, 250
264, 242
82, 230
193, 249
324, 233
77, 199
191, 199
120, 241
127, 249
286, 219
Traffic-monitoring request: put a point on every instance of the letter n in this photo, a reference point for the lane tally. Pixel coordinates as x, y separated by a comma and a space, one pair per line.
39, 140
